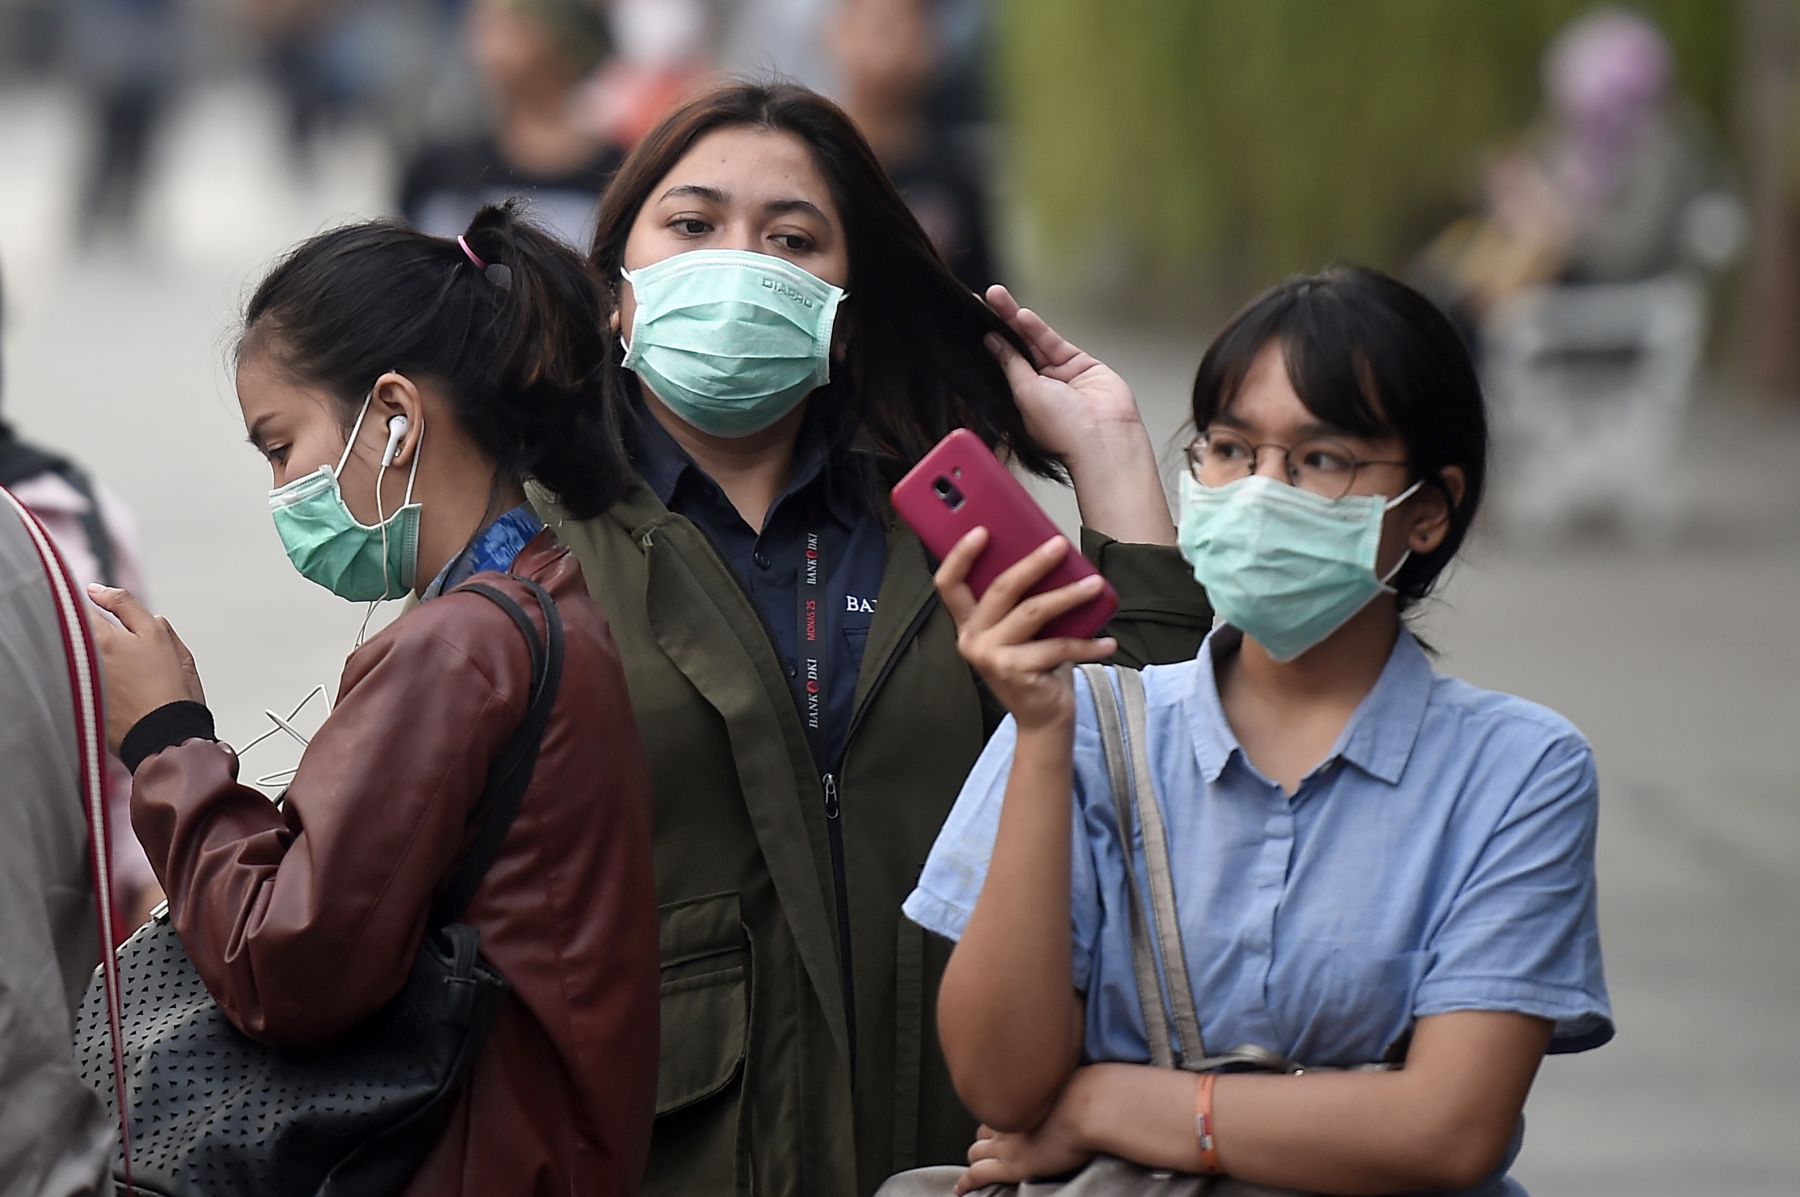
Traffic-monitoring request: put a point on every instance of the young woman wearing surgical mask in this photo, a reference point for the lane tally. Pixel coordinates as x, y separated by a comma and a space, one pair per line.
1371, 861
402, 387
786, 344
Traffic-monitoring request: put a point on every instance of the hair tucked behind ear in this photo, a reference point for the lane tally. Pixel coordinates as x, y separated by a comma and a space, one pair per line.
518, 346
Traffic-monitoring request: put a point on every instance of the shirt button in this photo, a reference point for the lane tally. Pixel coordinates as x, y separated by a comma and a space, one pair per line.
761, 558
793, 670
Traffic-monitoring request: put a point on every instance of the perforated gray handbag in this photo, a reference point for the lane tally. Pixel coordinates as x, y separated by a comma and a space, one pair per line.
1173, 1032
215, 1114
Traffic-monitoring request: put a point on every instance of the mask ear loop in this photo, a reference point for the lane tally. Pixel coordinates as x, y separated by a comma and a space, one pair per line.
1405, 554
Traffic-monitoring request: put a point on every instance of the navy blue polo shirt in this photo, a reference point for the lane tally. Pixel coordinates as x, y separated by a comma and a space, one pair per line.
820, 501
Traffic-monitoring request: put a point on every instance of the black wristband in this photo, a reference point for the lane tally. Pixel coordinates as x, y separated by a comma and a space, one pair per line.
166, 726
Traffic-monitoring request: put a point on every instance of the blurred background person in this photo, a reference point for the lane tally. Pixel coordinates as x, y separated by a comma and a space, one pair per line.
97, 536
1605, 189
330, 62
662, 51
1581, 285
55, 1140
532, 57
888, 54
125, 55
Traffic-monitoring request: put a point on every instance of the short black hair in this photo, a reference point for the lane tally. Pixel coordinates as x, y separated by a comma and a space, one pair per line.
1370, 355
517, 343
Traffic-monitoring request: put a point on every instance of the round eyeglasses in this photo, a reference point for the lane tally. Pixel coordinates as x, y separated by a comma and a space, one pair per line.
1321, 465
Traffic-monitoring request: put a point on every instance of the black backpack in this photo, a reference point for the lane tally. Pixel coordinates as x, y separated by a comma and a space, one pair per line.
20, 461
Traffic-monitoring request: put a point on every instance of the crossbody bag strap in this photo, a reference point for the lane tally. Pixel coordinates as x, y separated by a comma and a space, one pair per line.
90, 725
1162, 879
1119, 781
511, 774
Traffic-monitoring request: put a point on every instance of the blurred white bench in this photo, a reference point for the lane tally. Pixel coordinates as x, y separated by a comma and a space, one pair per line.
1590, 387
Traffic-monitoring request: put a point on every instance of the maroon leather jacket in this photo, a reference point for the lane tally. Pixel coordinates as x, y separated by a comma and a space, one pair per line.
304, 921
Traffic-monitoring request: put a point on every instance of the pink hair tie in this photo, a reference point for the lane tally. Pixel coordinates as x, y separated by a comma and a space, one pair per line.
471, 254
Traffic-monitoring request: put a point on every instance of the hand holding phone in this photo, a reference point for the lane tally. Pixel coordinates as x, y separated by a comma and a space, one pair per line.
960, 486
1025, 602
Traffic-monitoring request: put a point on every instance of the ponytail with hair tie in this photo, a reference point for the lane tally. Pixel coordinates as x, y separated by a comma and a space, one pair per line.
521, 360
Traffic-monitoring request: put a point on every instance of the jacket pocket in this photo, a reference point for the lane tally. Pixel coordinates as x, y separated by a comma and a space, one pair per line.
706, 974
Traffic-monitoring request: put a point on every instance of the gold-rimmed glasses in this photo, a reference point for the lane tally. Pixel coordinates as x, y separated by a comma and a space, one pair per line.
1323, 465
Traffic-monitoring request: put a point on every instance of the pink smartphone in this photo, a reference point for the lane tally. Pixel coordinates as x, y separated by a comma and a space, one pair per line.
961, 485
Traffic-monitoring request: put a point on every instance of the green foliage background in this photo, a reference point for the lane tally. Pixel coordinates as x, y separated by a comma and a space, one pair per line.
1174, 156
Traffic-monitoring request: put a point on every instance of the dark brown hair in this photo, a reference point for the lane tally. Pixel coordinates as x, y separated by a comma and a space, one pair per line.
915, 365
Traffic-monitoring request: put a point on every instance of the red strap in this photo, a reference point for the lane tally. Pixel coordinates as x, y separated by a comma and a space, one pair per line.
90, 724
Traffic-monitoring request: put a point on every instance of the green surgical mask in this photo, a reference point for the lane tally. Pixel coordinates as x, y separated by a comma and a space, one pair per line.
1282, 565
730, 341
327, 544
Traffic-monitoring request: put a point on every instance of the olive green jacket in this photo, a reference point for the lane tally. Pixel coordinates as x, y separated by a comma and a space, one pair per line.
756, 1093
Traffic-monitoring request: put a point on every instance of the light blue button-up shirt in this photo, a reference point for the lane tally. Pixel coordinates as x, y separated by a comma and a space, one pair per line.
1440, 858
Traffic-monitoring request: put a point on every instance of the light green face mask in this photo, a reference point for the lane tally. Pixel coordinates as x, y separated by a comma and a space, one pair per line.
731, 341
1282, 565
327, 545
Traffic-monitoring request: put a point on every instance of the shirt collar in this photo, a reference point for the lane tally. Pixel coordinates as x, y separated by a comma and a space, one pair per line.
1379, 737
1214, 741
493, 548
665, 465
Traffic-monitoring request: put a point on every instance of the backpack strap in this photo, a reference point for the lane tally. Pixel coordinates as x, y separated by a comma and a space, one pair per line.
21, 460
90, 739
511, 774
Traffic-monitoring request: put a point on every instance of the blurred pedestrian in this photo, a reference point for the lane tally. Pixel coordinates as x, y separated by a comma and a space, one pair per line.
532, 56
55, 1139
401, 386
330, 61
125, 56
1602, 190
662, 54
97, 536
888, 54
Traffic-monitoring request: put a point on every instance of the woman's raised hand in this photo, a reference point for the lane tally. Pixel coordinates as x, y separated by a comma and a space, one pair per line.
1068, 397
1077, 408
1031, 678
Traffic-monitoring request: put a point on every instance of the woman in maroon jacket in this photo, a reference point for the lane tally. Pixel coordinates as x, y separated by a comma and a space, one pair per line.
401, 387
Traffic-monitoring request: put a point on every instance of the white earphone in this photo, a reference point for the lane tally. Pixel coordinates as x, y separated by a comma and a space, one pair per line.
396, 433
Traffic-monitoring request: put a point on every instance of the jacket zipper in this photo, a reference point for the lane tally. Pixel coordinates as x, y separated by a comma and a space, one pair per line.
834, 828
